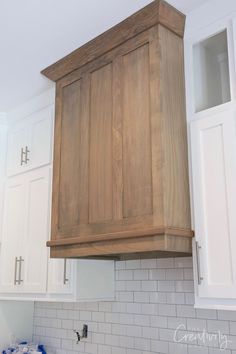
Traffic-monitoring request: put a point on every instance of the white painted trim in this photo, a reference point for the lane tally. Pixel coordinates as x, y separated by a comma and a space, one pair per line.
189, 79
216, 304
37, 103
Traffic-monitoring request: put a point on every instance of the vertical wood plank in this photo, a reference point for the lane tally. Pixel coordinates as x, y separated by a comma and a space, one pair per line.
174, 130
156, 128
100, 166
117, 141
73, 205
136, 133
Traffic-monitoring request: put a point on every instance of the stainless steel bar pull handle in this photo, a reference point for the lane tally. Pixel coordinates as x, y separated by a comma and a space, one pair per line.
27, 151
199, 277
16, 281
20, 270
22, 160
65, 279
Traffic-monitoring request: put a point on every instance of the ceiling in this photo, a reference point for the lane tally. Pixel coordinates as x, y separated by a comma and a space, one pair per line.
36, 33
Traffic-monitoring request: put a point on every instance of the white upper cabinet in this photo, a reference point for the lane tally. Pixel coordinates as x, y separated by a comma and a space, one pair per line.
211, 112
213, 156
81, 280
26, 271
61, 275
211, 72
29, 142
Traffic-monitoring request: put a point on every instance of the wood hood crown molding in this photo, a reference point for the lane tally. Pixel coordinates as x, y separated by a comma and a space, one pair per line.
158, 12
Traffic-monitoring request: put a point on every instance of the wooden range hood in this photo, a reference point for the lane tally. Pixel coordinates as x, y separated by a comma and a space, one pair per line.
120, 180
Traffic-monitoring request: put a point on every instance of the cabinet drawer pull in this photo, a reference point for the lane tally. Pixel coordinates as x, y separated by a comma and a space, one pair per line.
27, 151
65, 279
20, 271
16, 281
199, 277
22, 159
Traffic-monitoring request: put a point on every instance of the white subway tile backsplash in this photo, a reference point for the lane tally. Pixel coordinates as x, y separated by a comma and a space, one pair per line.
135, 264
133, 308
148, 285
157, 274
174, 274
166, 285
148, 263
165, 263
167, 310
196, 325
185, 311
154, 299
141, 274
133, 285
141, 297
125, 275
216, 326
158, 298
158, 346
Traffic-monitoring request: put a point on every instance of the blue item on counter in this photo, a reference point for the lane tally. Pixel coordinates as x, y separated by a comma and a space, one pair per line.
25, 347
41, 349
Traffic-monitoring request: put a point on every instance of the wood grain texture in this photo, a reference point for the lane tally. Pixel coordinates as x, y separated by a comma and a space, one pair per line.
117, 140
123, 235
120, 184
174, 131
137, 171
156, 12
73, 203
100, 162
172, 244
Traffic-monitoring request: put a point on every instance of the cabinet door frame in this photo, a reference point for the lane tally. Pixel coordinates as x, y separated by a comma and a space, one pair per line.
66, 283
29, 285
26, 126
206, 32
12, 287
227, 122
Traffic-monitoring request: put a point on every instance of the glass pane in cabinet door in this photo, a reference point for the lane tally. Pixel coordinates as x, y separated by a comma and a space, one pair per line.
211, 72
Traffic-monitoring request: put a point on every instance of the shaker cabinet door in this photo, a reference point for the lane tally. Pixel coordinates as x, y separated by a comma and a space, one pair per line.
61, 277
213, 155
24, 254
30, 142
14, 225
35, 252
18, 141
41, 134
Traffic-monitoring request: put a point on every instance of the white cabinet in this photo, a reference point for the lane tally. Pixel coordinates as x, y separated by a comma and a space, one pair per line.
29, 142
25, 232
26, 270
35, 253
13, 231
213, 156
81, 280
61, 275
